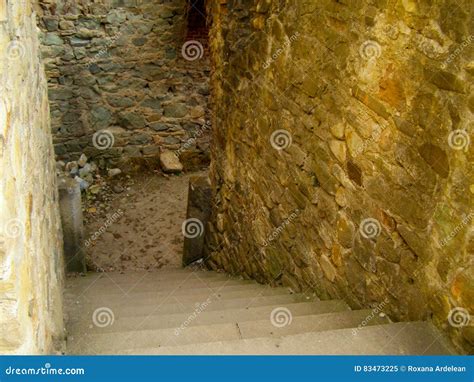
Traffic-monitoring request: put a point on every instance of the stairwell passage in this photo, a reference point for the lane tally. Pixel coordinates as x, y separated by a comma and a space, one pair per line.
183, 311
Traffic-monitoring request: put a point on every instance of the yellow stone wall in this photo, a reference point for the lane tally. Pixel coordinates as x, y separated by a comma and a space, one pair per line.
31, 278
342, 152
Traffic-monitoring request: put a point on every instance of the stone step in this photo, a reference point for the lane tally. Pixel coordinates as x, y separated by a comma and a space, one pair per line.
111, 343
404, 338
355, 319
136, 299
131, 278
85, 311
157, 287
203, 317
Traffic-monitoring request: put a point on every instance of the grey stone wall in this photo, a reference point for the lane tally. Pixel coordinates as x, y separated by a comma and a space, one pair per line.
343, 155
121, 87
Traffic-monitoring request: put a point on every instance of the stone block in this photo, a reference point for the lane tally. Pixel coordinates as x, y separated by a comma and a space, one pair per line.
72, 222
197, 217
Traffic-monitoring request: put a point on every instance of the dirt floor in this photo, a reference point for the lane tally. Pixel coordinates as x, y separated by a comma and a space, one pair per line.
134, 223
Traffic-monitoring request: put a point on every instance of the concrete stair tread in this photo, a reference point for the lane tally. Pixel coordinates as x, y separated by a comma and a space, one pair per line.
355, 319
204, 317
184, 311
204, 333
177, 274
174, 295
404, 338
163, 287
83, 311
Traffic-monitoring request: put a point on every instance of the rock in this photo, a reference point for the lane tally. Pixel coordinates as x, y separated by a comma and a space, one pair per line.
338, 148
151, 150
118, 189
52, 39
85, 171
338, 130
170, 162
116, 17
100, 116
171, 140
60, 165
72, 168
132, 120
66, 24
94, 189
82, 160
328, 269
160, 126
75, 41
51, 23
178, 110
114, 172
83, 184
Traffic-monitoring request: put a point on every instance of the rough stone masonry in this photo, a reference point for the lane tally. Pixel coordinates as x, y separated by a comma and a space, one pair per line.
122, 88
31, 263
343, 133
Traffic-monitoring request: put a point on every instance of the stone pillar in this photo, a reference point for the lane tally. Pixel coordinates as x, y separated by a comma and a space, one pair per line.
197, 216
72, 222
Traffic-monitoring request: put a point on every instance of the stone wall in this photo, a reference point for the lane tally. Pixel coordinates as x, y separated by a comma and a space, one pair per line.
121, 87
343, 152
31, 318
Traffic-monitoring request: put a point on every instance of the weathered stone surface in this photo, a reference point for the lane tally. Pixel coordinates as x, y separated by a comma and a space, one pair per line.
197, 217
120, 63
70, 208
170, 162
31, 261
361, 140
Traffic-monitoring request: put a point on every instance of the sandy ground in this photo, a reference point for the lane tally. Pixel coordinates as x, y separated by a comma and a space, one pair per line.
141, 229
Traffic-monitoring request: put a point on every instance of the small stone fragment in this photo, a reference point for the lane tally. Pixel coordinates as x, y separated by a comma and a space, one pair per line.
114, 172
170, 162
84, 185
82, 160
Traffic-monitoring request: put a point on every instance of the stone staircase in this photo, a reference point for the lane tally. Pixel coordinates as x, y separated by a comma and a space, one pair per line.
183, 311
